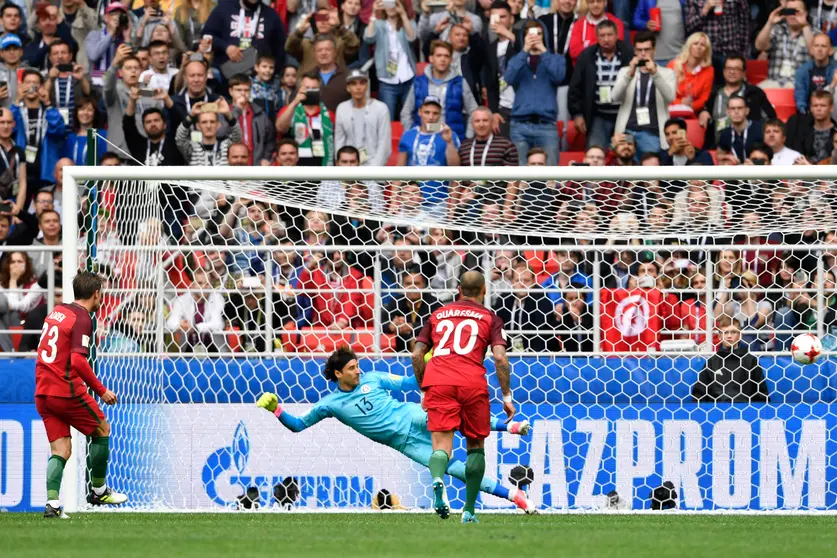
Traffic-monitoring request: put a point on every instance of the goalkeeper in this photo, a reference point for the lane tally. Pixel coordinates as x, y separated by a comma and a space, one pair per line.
364, 405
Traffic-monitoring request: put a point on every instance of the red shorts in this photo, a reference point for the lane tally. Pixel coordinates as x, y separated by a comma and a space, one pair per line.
458, 408
60, 413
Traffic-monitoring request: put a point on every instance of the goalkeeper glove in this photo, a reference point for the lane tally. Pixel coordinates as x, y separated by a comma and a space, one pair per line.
268, 401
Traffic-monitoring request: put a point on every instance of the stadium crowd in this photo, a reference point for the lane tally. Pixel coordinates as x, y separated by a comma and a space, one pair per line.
430, 83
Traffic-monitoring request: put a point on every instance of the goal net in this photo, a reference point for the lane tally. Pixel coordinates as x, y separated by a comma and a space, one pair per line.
649, 314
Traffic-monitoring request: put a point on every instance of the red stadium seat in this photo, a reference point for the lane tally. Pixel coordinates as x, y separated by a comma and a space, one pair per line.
16, 337
783, 101
420, 66
696, 134
323, 342
575, 140
756, 71
566, 157
364, 342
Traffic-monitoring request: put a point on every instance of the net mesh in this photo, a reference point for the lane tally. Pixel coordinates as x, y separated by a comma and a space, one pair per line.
214, 297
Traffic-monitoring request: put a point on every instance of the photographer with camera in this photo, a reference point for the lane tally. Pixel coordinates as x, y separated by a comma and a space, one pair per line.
101, 46
644, 96
311, 123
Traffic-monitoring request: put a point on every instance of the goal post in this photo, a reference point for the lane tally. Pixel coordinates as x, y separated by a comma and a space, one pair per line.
612, 321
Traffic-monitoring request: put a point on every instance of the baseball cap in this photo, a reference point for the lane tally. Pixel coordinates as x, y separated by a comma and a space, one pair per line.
113, 6
432, 99
356, 74
10, 40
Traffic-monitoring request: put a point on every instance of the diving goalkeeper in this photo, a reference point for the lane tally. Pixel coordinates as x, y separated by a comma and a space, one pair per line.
364, 405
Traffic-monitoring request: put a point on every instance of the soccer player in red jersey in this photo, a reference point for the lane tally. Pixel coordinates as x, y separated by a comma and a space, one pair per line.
61, 372
454, 385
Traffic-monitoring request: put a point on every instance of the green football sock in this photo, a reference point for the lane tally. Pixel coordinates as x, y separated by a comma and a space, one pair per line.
474, 471
438, 464
55, 472
97, 460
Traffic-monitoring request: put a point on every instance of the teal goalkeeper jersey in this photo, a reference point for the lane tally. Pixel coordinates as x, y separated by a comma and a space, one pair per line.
368, 409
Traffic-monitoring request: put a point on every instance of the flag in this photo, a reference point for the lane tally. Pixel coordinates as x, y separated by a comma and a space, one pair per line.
631, 320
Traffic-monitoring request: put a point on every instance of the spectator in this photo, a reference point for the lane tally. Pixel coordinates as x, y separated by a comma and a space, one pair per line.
119, 79
407, 312
258, 132
449, 265
635, 91
20, 293
287, 153
532, 201
194, 74
49, 27
336, 306
335, 194
13, 176
786, 39
43, 200
84, 117
486, 149
440, 23
238, 155
11, 16
324, 23
671, 31
149, 147
58, 188
127, 334
759, 154
270, 93
102, 45
160, 74
623, 151
816, 74
40, 128
468, 57
584, 29
11, 50
811, 133
82, 20
351, 21
559, 25
249, 223
190, 17
774, 137
35, 319
591, 89
145, 20
694, 73
699, 207
333, 91
681, 152
742, 134
65, 87
49, 224
395, 63
726, 23
364, 123
421, 147
312, 123
578, 320
210, 150
145, 61
714, 116
233, 31
528, 308
23, 233
534, 114
569, 275
246, 312
732, 375
440, 81
196, 320
498, 93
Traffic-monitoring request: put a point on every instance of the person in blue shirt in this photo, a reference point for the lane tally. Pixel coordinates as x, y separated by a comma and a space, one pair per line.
363, 404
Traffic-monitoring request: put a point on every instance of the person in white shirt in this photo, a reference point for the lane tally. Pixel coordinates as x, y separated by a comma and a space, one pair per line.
196, 320
332, 193
774, 137
160, 74
363, 123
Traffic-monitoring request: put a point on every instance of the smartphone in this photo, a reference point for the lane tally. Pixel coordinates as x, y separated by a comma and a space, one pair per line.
578, 164
532, 31
5, 207
146, 92
759, 162
389, 4
494, 19
209, 107
434, 127
3, 84
312, 97
787, 12
194, 46
65, 67
629, 138
320, 17
681, 133
196, 57
157, 13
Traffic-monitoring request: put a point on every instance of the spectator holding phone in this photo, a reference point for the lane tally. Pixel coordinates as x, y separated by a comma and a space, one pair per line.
681, 152
85, 116
440, 23
311, 123
11, 50
498, 93
742, 133
324, 22
13, 171
66, 80
206, 148
786, 37
392, 32
160, 74
644, 91
48, 27
101, 45
190, 18
119, 79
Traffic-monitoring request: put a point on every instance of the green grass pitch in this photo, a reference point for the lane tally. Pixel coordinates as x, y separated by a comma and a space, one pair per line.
372, 535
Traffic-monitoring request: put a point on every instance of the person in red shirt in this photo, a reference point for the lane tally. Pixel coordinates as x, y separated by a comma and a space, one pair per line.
61, 398
454, 386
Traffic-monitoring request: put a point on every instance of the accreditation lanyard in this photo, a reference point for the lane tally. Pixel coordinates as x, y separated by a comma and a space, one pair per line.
159, 153
743, 142
785, 47
39, 130
6, 160
647, 90
66, 92
245, 129
214, 154
248, 31
484, 151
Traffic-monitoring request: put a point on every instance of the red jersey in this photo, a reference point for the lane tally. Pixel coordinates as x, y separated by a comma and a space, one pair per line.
460, 333
67, 329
